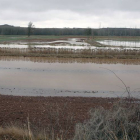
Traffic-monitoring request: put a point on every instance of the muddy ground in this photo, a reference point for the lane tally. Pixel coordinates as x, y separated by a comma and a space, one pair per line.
59, 114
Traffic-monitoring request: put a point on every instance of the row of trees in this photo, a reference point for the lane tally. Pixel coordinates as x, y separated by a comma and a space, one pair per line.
11, 30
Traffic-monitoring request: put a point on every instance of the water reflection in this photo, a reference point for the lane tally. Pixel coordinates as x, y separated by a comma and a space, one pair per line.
121, 43
71, 60
71, 43
56, 77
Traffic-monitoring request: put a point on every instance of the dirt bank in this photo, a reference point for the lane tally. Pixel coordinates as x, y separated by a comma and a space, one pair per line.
58, 113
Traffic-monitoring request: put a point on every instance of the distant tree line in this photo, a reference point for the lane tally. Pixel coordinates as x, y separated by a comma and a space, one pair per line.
11, 30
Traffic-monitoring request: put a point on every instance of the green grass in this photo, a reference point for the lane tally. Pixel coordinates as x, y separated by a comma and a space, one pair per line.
4, 38
117, 38
95, 38
8, 38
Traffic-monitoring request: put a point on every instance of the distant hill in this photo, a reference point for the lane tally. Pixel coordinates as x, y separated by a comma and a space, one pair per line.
6, 26
17, 30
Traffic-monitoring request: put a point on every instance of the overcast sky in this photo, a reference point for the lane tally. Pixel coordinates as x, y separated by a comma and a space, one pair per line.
71, 13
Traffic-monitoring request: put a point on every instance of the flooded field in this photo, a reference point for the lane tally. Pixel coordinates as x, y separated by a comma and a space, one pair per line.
127, 43
69, 78
59, 67
21, 46
73, 43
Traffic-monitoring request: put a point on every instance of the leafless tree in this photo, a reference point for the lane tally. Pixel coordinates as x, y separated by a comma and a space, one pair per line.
30, 28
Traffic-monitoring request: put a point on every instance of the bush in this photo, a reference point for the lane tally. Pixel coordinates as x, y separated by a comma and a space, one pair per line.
121, 122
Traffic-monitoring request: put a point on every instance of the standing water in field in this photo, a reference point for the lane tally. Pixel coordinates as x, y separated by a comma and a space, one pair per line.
28, 78
131, 44
73, 43
69, 43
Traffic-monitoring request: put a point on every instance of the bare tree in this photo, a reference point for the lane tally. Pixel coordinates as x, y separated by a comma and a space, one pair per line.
30, 28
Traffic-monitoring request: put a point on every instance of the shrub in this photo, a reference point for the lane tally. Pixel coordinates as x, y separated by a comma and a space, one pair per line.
121, 122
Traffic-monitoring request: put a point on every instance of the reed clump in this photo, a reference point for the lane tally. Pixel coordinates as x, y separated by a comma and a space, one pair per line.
14, 132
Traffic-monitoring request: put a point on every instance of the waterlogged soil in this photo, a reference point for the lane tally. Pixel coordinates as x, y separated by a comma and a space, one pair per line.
60, 114
28, 78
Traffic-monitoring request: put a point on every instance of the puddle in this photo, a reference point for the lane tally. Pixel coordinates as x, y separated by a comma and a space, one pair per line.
29, 78
133, 44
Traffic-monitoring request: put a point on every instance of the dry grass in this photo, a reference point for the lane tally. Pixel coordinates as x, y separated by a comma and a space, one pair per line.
71, 60
121, 122
71, 53
15, 133
53, 131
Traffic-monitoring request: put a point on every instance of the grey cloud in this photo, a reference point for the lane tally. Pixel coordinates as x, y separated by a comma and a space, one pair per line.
87, 6
109, 12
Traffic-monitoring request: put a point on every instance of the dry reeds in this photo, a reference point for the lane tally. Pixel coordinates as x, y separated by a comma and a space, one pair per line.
71, 60
19, 133
71, 53
14, 133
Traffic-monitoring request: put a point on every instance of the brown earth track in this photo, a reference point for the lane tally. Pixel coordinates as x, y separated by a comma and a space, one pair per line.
52, 111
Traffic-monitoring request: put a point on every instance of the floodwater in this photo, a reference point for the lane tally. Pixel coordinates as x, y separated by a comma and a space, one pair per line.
133, 44
28, 78
72, 43
76, 44
21, 46
74, 47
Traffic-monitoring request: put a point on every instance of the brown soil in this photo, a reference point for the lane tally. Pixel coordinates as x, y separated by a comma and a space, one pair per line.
57, 113
56, 43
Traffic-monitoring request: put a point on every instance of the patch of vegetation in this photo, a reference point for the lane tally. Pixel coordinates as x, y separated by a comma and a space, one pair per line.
120, 122
10, 38
71, 53
117, 38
